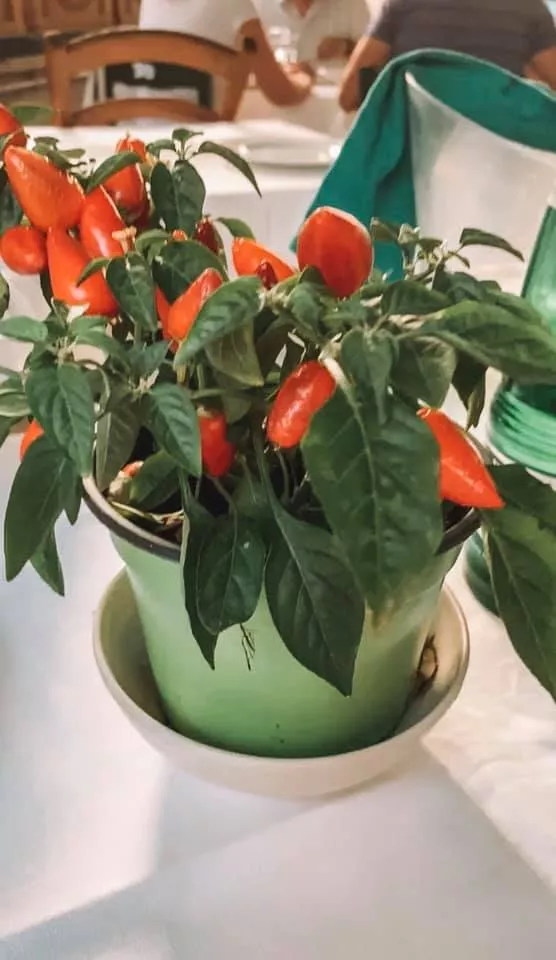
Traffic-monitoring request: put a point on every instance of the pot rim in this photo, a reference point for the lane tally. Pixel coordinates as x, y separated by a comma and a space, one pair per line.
118, 525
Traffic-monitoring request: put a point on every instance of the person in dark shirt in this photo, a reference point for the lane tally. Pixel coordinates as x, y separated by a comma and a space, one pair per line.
519, 35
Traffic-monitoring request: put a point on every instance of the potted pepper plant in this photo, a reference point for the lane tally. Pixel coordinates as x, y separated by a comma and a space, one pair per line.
264, 441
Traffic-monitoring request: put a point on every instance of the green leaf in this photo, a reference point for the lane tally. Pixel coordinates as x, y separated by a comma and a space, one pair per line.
313, 600
410, 298
102, 341
151, 242
95, 266
4, 295
47, 564
373, 289
85, 324
521, 308
478, 238
117, 433
231, 157
156, 481
196, 526
46, 287
13, 400
387, 517
130, 280
178, 196
61, 400
59, 158
110, 166
6, 425
307, 304
184, 135
251, 500
180, 263
522, 490
229, 573
32, 113
424, 369
233, 305
36, 493
460, 286
24, 329
384, 231
520, 555
72, 496
235, 355
172, 419
469, 380
237, 228
146, 359
10, 210
155, 147
367, 362
496, 338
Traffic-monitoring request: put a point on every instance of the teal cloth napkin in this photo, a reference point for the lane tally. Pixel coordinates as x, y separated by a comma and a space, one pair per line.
372, 176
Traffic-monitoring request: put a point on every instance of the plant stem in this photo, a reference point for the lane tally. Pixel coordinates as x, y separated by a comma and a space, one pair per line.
224, 494
285, 474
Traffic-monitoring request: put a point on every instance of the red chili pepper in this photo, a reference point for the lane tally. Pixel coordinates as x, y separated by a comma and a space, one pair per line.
134, 144
267, 274
248, 255
23, 250
10, 124
339, 247
464, 479
67, 259
127, 189
206, 234
100, 222
304, 392
184, 310
32, 433
132, 469
179, 235
50, 197
217, 453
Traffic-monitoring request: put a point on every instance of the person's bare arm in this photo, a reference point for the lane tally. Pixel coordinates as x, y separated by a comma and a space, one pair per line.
284, 88
543, 67
369, 52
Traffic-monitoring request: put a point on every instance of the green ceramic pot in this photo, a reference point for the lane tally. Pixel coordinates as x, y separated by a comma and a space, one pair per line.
268, 704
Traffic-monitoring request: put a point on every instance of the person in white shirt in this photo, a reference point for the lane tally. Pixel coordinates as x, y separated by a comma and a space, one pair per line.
235, 24
320, 29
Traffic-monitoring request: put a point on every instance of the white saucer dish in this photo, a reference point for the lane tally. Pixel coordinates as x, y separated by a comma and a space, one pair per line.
309, 156
122, 660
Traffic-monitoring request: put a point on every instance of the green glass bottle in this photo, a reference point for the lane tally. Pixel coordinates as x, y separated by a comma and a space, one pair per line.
522, 425
523, 419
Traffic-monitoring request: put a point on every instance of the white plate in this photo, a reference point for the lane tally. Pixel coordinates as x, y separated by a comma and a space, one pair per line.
296, 155
123, 663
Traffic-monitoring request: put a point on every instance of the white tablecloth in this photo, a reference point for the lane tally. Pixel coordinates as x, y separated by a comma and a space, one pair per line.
108, 854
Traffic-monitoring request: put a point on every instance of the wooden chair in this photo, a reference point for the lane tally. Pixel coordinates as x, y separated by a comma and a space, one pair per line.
12, 19
127, 12
66, 61
71, 16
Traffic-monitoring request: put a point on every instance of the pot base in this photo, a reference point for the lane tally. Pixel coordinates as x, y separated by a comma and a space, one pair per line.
122, 659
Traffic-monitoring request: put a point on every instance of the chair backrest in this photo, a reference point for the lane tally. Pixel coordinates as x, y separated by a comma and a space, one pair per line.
12, 20
71, 17
466, 176
65, 61
127, 12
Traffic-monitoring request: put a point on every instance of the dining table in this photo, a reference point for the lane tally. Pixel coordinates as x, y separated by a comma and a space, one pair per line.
109, 853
